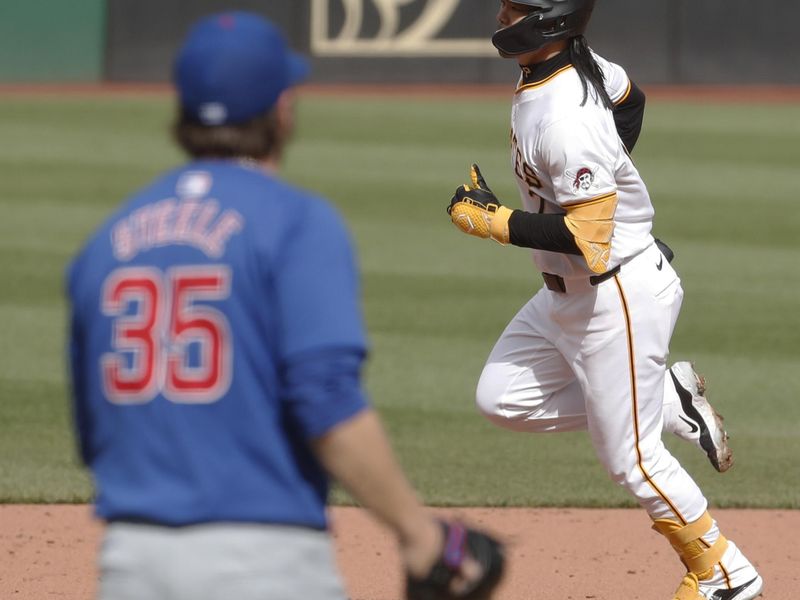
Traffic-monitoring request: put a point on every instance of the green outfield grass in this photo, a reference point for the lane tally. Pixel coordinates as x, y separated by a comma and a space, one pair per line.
725, 182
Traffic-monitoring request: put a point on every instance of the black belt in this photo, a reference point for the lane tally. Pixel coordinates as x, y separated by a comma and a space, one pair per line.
555, 283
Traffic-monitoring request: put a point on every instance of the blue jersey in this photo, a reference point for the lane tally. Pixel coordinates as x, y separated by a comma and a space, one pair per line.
209, 316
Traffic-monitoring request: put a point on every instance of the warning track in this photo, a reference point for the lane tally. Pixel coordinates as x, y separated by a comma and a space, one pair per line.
711, 94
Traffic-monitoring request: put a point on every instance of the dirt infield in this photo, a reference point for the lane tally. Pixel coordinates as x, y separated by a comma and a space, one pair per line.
48, 551
718, 94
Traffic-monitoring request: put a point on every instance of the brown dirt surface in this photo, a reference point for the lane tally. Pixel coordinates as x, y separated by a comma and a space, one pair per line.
726, 94
48, 551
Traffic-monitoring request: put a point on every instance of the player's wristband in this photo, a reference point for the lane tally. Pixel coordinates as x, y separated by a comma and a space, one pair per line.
498, 228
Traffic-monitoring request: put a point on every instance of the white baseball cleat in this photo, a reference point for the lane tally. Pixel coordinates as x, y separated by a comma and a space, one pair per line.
691, 589
746, 591
701, 424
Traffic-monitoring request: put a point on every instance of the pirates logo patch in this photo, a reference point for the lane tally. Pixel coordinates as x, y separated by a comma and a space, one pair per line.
583, 180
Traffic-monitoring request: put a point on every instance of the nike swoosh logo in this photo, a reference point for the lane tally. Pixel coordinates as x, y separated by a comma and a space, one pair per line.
734, 593
660, 263
694, 426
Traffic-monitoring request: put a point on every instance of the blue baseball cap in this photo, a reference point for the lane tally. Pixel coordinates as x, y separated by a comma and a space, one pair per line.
233, 66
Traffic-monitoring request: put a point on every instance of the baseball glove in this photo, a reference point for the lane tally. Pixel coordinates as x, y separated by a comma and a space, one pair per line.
460, 543
475, 210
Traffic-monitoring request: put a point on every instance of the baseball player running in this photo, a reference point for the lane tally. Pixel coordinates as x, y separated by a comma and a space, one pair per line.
589, 350
216, 348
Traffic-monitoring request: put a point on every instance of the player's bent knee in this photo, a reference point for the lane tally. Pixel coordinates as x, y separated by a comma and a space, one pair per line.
489, 396
492, 400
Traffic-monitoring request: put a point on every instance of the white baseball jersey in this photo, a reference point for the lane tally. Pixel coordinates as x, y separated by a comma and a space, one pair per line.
592, 355
566, 154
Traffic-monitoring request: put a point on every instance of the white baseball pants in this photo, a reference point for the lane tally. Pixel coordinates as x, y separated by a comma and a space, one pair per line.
594, 359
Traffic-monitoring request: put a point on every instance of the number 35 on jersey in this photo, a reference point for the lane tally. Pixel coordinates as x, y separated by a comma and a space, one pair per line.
166, 339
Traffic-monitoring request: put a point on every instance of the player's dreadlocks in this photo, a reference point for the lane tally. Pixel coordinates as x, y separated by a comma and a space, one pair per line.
588, 70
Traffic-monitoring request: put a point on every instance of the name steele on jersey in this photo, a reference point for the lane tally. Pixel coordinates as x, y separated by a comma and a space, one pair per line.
190, 222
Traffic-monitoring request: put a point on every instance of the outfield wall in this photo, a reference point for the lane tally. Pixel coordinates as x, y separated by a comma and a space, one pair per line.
52, 40
426, 41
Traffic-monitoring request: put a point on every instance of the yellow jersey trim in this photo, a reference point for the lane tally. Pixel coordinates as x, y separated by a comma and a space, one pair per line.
597, 199
625, 95
541, 82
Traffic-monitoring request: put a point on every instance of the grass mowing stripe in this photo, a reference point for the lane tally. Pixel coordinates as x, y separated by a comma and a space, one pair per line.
38, 453
722, 178
32, 346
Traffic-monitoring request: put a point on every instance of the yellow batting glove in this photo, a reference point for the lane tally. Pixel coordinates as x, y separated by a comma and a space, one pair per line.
475, 210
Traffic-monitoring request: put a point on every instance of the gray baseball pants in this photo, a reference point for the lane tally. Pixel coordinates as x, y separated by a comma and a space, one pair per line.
217, 562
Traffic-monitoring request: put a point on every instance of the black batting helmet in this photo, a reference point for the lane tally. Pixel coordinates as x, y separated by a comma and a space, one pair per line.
548, 21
